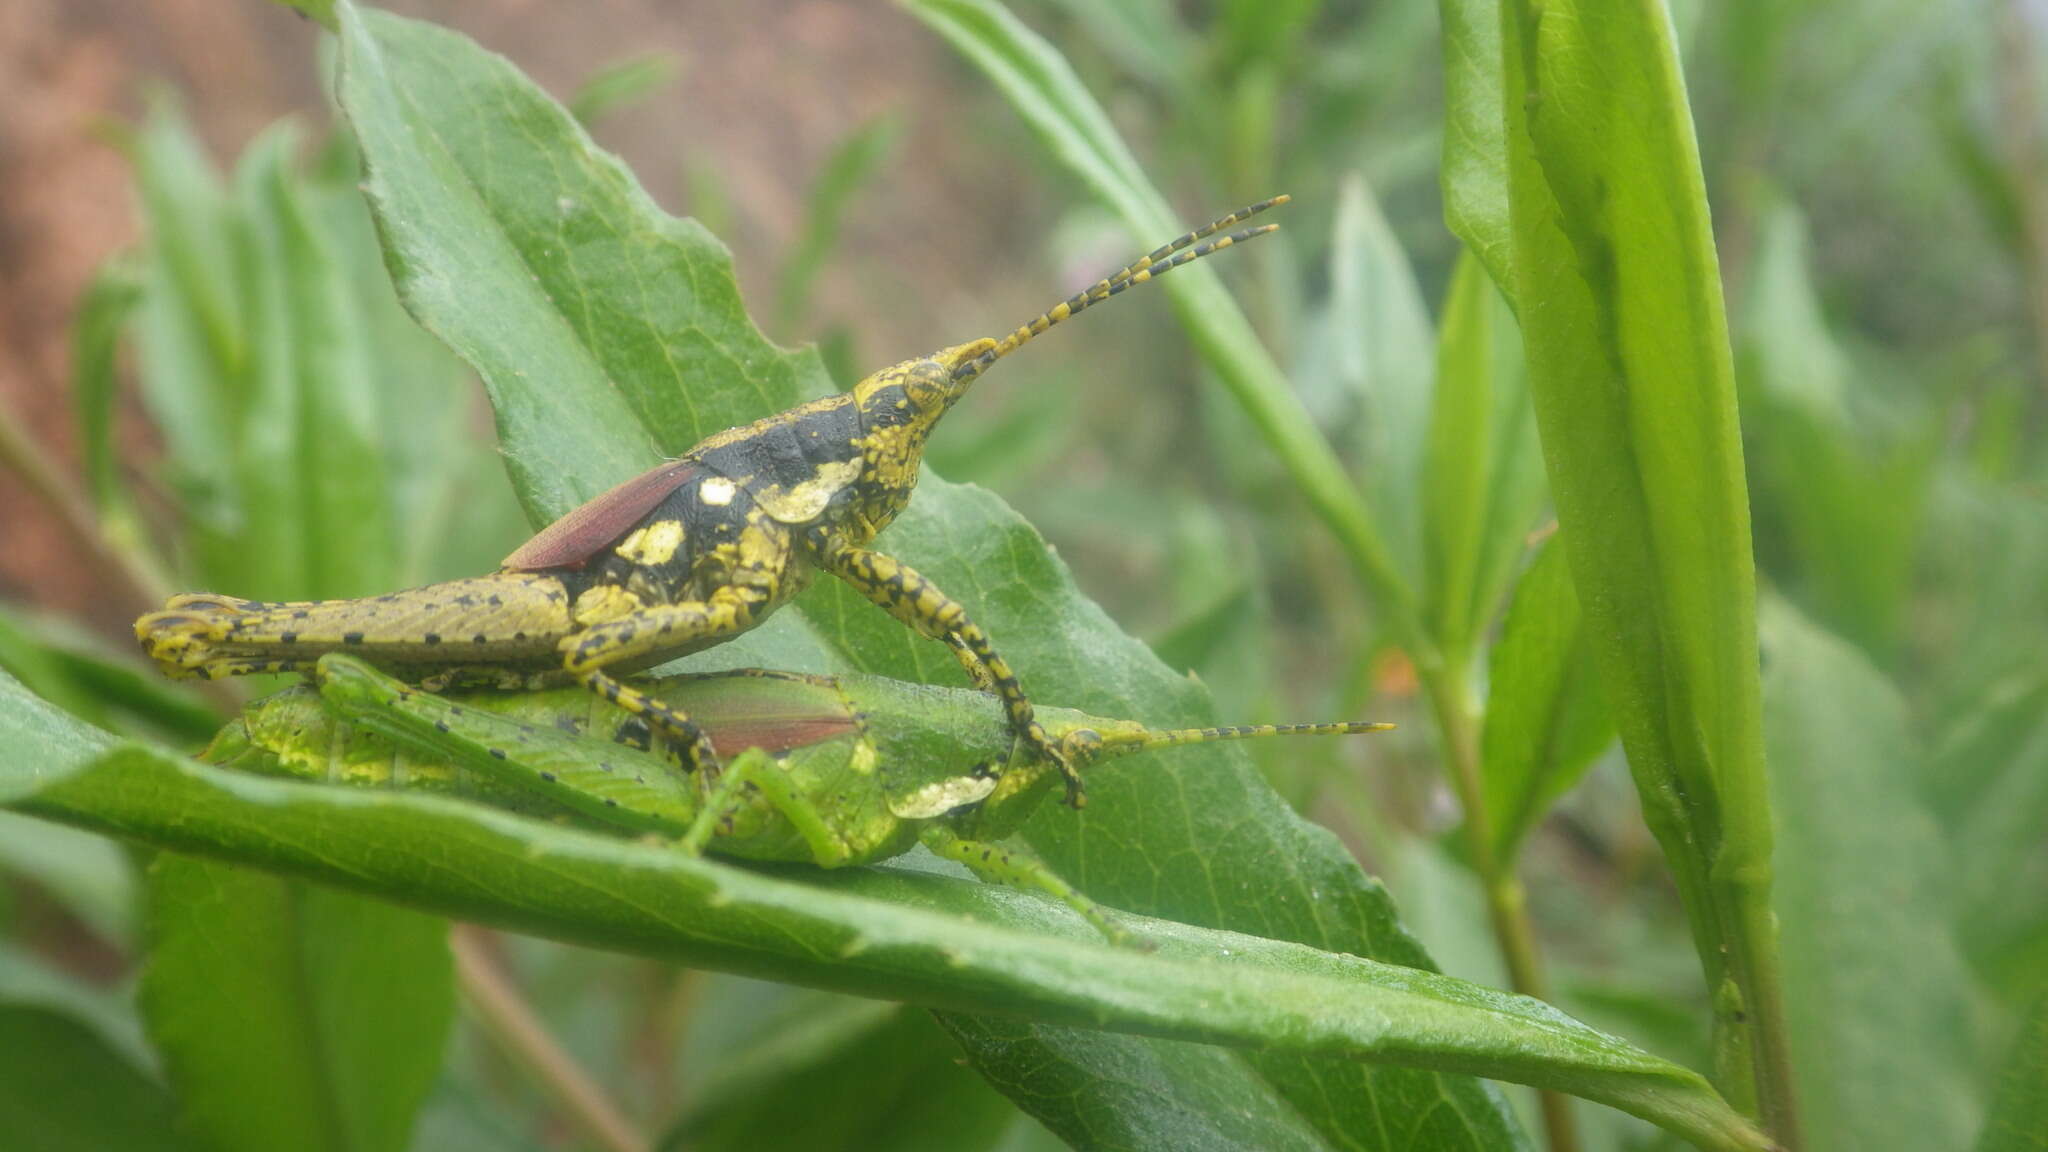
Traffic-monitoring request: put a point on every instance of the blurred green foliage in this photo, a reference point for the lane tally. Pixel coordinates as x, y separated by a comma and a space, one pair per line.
1323, 494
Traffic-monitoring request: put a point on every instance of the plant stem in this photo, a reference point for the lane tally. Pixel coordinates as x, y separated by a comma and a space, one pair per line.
2020, 118
1756, 1018
513, 1023
131, 567
1458, 718
27, 459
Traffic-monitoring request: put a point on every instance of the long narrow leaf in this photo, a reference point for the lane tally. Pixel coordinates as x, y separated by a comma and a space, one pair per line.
879, 932
2019, 1110
1545, 717
1878, 988
1620, 305
292, 1016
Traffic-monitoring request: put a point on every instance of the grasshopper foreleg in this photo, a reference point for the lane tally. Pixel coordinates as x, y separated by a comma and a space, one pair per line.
654, 629
761, 772
904, 593
977, 672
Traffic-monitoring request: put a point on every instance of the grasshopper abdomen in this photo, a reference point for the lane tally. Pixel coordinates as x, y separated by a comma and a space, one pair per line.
493, 629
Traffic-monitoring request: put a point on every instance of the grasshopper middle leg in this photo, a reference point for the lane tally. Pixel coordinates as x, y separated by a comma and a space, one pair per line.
650, 630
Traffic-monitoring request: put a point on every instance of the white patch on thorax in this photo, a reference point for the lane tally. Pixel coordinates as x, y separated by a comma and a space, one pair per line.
717, 491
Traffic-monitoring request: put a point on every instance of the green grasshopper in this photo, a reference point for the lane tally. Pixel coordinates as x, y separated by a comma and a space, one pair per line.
833, 771
681, 558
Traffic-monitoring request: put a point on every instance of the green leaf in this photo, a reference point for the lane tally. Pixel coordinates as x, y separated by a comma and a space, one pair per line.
63, 1089
28, 659
345, 504
1877, 989
1629, 364
1139, 1094
1987, 778
60, 742
848, 170
895, 1084
1545, 717
95, 383
1848, 485
275, 540
1481, 477
88, 875
320, 12
27, 981
78, 669
1147, 37
887, 932
1475, 162
311, 478
453, 510
1383, 336
291, 1016
2019, 1109
189, 330
621, 84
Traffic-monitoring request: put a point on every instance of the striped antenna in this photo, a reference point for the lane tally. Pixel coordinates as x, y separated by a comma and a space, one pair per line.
1122, 743
1158, 262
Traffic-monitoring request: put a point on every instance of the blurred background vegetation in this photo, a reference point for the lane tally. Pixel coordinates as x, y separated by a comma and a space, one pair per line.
1880, 191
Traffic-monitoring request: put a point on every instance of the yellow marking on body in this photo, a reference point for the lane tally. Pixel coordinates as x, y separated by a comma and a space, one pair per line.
605, 603
794, 415
656, 543
717, 491
760, 548
804, 502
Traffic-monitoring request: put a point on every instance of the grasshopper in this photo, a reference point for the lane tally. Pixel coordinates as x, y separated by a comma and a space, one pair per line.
683, 557
833, 771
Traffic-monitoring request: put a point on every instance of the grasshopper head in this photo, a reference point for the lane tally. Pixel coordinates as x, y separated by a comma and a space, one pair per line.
908, 398
899, 405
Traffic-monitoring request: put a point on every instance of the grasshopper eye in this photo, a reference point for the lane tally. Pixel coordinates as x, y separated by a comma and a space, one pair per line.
929, 387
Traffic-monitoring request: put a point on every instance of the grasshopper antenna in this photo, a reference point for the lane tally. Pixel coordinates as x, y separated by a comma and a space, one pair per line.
1158, 262
1104, 745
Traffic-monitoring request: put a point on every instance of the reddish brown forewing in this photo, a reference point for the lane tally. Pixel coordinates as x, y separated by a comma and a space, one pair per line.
582, 533
776, 714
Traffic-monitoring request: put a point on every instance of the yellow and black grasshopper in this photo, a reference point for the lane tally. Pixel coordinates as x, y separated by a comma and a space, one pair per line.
680, 558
